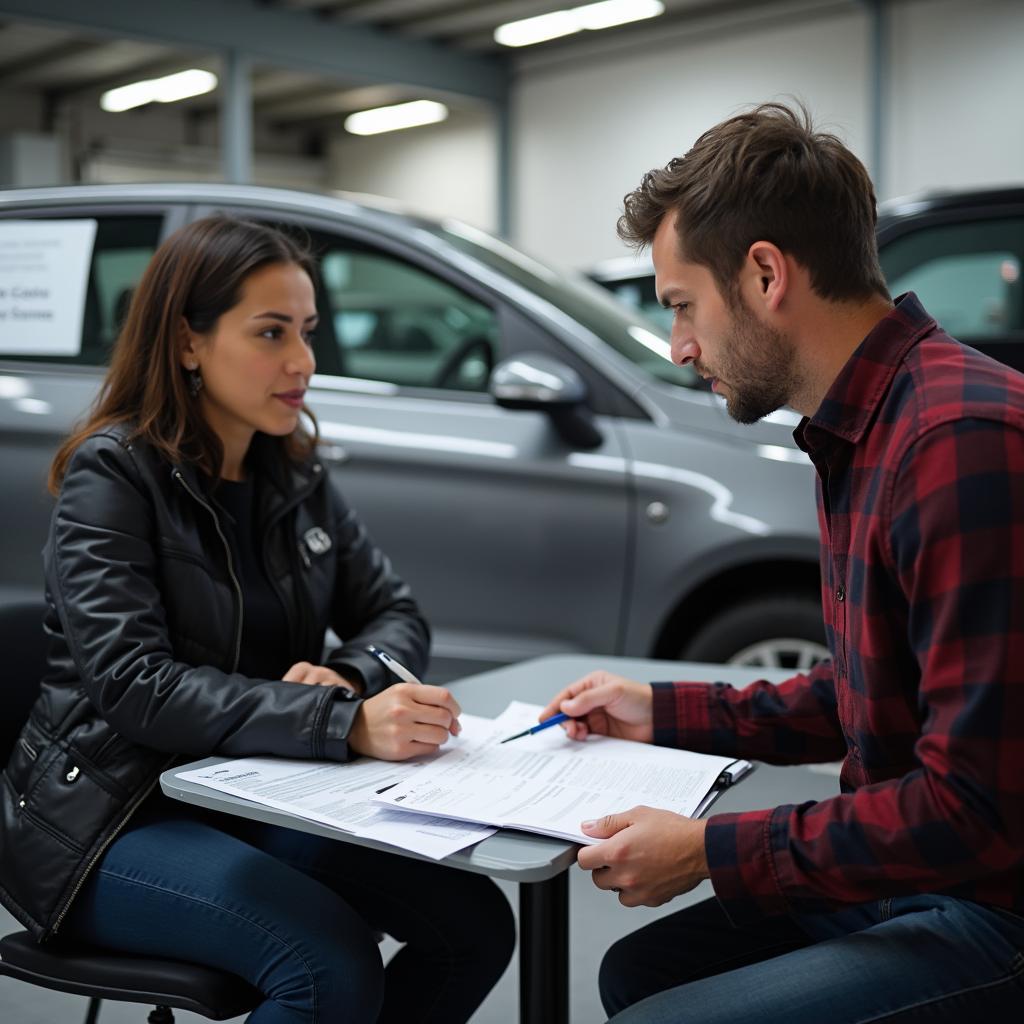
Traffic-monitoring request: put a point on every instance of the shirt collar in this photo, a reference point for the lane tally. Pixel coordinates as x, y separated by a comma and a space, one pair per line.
855, 395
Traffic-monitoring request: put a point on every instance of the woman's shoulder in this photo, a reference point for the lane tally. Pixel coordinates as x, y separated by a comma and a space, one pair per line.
116, 449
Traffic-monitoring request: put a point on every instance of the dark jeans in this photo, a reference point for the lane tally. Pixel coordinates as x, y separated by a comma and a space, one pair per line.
295, 914
908, 959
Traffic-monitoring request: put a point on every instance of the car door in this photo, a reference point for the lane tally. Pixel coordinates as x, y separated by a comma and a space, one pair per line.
511, 548
46, 383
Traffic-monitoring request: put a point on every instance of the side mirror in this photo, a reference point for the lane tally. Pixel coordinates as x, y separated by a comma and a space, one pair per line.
542, 383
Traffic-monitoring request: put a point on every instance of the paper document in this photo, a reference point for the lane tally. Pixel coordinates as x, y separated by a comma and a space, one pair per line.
548, 783
342, 795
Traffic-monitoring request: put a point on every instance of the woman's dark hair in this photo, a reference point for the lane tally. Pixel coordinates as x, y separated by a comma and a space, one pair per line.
766, 175
195, 276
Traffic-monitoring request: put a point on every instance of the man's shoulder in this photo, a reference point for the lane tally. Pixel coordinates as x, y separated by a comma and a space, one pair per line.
942, 381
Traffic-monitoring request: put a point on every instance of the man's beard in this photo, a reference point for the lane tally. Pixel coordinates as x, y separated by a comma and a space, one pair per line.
758, 368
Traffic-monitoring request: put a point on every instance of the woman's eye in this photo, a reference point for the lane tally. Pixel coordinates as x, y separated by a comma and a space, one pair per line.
681, 307
310, 337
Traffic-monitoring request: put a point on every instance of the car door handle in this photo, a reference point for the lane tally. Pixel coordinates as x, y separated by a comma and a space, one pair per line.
334, 454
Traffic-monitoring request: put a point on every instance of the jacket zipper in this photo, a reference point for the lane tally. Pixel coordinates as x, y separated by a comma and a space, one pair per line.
231, 569
106, 842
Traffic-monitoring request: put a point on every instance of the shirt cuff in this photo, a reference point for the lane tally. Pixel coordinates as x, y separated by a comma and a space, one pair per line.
740, 850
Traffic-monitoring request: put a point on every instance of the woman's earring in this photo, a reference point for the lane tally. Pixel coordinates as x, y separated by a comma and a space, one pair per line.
195, 381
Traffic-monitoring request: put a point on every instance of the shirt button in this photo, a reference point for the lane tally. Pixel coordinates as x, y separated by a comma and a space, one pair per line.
840, 594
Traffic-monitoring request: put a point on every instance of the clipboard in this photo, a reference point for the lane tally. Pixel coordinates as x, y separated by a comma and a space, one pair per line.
736, 772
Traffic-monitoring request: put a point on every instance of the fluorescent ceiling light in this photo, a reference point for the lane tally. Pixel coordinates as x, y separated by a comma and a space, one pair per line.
537, 30
605, 14
391, 119
168, 89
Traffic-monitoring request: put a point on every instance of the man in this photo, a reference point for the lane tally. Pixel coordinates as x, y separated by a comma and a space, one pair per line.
902, 898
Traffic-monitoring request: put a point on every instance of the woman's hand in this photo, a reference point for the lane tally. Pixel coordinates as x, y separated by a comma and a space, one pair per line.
405, 720
319, 675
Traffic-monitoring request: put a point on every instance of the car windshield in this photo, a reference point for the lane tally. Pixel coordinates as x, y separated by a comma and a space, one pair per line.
627, 331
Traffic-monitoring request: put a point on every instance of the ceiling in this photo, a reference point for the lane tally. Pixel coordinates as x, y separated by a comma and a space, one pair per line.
63, 63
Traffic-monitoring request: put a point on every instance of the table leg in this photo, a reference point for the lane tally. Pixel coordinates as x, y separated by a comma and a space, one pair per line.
544, 951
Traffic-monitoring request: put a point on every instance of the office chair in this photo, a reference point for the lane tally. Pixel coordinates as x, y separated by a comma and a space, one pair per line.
74, 968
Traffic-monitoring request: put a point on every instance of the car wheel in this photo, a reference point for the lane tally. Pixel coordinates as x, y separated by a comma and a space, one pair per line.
784, 631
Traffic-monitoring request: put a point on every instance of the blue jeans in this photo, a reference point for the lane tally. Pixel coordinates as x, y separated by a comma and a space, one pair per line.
908, 959
295, 914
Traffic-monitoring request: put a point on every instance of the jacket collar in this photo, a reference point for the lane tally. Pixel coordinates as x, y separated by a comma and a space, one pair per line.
281, 481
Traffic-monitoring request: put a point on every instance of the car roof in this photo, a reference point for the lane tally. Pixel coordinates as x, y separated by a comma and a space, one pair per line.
376, 210
934, 201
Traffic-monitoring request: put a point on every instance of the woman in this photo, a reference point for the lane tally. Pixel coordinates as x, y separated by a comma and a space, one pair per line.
196, 556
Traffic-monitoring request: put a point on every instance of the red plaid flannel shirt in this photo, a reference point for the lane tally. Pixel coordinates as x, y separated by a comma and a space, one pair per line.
919, 448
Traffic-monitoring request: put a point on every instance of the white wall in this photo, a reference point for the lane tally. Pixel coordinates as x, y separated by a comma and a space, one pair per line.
449, 169
586, 134
956, 114
588, 126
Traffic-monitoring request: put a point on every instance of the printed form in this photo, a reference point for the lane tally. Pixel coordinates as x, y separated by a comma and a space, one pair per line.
549, 784
342, 795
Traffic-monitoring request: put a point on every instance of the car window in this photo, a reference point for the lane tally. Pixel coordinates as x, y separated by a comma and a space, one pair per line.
968, 275
640, 340
122, 248
639, 293
395, 322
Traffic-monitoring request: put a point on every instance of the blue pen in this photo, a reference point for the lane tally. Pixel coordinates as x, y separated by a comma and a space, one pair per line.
553, 720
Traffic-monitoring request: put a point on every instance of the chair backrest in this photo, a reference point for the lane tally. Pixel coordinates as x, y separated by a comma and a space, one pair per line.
23, 647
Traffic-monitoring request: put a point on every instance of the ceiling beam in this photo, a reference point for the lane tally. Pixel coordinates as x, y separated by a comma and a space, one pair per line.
474, 18
394, 10
315, 105
53, 56
287, 38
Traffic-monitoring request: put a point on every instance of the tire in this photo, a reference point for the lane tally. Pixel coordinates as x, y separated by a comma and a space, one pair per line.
781, 631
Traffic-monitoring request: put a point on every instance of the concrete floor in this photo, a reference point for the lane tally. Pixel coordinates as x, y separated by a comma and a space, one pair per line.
596, 920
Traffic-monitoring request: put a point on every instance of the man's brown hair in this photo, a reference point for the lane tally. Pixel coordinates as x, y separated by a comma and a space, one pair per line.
766, 175
196, 275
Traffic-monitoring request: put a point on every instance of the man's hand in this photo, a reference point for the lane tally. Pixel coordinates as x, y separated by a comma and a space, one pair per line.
607, 705
404, 720
649, 857
320, 675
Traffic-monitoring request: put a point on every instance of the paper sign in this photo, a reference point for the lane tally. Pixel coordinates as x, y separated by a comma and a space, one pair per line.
44, 269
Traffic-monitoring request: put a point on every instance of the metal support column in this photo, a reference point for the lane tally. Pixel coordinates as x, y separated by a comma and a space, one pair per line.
544, 951
503, 121
236, 119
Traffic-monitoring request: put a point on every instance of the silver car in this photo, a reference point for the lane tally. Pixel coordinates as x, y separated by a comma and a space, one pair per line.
519, 443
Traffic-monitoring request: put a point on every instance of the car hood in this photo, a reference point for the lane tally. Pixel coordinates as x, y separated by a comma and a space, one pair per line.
686, 410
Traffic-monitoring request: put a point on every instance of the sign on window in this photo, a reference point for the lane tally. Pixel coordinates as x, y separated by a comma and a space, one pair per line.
44, 271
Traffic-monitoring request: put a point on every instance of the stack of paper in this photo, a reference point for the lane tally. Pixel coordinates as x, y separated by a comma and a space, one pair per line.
343, 795
549, 784
442, 802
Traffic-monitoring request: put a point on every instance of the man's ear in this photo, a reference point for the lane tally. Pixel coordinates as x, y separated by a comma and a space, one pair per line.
188, 345
768, 273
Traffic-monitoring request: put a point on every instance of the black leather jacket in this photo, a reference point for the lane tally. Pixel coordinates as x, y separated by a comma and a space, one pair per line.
144, 621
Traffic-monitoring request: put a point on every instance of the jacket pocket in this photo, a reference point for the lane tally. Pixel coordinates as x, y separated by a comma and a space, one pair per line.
70, 799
